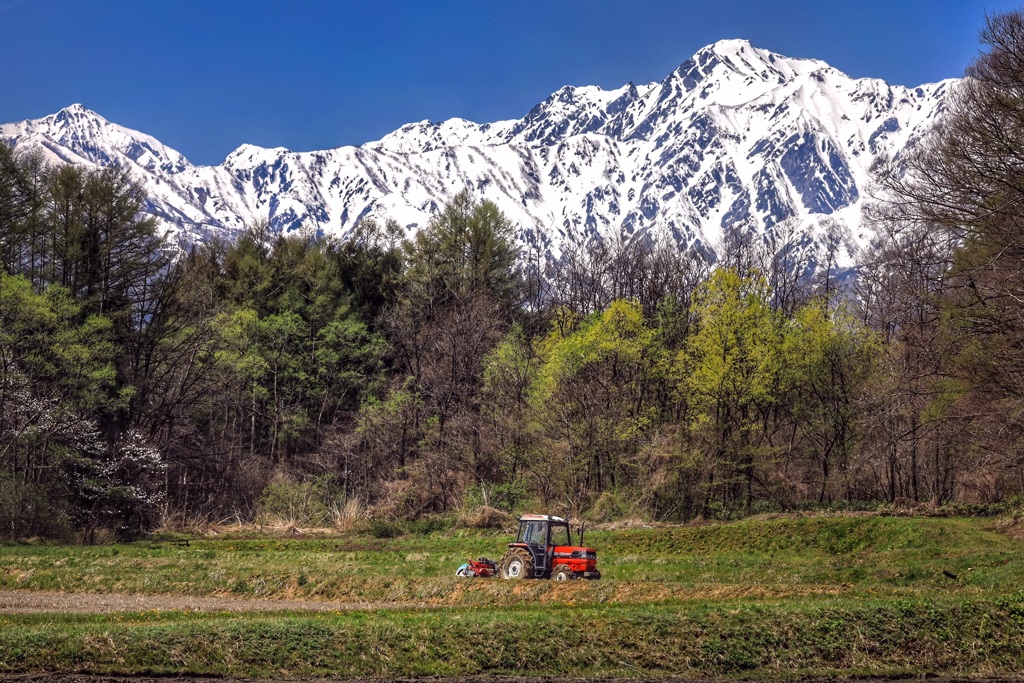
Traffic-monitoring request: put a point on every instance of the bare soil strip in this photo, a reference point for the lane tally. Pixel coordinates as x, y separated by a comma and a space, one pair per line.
185, 678
100, 678
32, 602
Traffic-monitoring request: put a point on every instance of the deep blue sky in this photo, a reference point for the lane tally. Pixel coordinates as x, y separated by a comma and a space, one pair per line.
205, 76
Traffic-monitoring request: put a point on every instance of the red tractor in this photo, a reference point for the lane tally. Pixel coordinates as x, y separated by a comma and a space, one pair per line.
544, 550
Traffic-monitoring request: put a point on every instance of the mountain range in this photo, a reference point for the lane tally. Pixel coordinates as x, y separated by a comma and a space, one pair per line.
736, 135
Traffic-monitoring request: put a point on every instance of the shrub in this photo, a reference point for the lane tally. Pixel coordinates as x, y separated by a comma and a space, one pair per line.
610, 506
295, 504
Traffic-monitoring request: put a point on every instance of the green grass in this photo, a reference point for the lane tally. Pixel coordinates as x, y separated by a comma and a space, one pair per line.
862, 556
769, 599
878, 638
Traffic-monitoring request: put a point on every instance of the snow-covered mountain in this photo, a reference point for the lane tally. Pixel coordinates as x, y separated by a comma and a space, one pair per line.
735, 134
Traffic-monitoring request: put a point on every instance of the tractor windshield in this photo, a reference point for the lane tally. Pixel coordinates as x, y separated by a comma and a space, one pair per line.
560, 534
532, 533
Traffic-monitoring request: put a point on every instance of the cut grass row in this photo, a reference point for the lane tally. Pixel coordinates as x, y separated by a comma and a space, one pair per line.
867, 557
963, 638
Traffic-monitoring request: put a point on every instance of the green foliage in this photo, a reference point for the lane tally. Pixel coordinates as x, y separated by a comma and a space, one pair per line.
45, 337
829, 358
456, 299
57, 376
513, 497
733, 364
467, 248
76, 314
611, 505
307, 503
732, 360
509, 372
292, 351
595, 394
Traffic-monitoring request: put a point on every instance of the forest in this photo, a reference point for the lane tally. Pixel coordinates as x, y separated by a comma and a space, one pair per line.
387, 376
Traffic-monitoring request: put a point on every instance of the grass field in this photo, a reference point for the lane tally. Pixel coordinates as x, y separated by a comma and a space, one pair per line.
778, 599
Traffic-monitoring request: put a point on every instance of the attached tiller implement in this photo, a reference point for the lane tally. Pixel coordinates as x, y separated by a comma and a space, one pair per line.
543, 549
482, 568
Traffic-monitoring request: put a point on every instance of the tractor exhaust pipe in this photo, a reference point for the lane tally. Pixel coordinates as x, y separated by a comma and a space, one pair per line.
582, 527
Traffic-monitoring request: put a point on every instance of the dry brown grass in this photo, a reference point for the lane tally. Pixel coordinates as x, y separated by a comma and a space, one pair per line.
486, 517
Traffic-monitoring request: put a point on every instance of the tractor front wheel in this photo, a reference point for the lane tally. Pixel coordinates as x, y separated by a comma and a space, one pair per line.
517, 564
562, 573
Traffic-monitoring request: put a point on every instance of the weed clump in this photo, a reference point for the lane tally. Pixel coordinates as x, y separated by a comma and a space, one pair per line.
383, 529
486, 517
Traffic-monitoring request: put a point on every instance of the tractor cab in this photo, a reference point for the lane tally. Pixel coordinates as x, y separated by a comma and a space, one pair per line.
543, 549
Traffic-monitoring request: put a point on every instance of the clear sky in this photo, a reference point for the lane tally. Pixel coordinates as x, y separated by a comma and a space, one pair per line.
205, 76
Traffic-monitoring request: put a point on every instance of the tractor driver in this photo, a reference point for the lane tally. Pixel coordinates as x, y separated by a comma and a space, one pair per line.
536, 536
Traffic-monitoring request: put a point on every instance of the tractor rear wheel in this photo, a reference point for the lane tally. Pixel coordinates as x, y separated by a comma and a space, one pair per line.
562, 573
517, 564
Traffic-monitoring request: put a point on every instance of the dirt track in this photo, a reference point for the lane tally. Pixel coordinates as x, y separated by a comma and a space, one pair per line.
88, 678
26, 602
98, 678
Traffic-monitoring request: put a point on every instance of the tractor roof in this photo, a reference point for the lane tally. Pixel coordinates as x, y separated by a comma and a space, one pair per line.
540, 518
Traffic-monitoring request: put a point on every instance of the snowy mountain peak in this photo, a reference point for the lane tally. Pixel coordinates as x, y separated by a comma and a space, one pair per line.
731, 72
75, 112
735, 135
76, 118
737, 55
742, 56
78, 135
249, 152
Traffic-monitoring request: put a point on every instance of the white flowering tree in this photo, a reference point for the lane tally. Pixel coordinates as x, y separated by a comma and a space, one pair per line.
57, 470
117, 487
